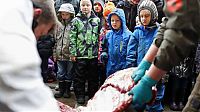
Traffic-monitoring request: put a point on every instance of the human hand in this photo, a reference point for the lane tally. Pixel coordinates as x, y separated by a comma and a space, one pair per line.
73, 58
142, 92
140, 72
103, 57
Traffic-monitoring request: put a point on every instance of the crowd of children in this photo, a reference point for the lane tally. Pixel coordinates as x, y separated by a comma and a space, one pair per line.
104, 37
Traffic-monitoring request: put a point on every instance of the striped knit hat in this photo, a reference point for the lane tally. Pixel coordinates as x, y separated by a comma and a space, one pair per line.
149, 5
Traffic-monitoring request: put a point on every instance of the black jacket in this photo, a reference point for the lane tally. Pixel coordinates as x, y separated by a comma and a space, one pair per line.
45, 46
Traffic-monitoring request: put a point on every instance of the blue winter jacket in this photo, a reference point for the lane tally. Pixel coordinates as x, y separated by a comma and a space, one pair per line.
142, 40
116, 45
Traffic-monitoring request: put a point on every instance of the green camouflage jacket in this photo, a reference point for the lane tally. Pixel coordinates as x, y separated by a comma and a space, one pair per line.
84, 36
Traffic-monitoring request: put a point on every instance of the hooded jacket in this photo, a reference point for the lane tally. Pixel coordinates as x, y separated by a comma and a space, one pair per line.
116, 45
61, 48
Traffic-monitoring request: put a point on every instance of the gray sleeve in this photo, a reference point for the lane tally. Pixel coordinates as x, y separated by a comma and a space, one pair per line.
159, 36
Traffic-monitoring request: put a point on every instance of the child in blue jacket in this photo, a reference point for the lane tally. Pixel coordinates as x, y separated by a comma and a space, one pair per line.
116, 44
143, 37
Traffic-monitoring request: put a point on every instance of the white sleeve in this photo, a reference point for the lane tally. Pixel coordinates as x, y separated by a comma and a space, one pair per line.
21, 85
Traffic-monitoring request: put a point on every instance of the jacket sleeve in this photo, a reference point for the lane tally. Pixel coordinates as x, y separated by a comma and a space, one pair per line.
159, 36
55, 37
73, 38
132, 50
180, 36
130, 53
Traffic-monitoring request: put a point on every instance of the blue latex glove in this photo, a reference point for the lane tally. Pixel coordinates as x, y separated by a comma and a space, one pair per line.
142, 92
139, 73
104, 57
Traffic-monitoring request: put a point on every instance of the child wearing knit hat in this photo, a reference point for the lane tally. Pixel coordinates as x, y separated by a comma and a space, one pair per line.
144, 35
147, 8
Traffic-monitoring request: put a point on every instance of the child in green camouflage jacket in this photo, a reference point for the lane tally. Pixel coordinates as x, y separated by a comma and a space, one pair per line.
84, 50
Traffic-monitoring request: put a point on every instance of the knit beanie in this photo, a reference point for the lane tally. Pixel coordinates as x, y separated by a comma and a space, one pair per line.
149, 5
108, 8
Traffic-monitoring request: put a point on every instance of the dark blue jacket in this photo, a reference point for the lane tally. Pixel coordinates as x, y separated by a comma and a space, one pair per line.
45, 46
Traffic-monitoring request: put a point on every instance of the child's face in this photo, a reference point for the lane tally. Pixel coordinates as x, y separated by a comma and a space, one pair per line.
86, 6
145, 17
97, 8
65, 15
115, 22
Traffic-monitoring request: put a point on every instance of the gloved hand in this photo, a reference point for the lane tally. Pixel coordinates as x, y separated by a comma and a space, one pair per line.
103, 57
142, 92
139, 73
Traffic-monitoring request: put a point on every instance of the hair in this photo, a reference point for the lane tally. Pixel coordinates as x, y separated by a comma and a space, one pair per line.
48, 14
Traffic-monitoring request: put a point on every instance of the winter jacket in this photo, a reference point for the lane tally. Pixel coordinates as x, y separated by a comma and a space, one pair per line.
142, 40
84, 36
61, 48
45, 46
181, 35
116, 44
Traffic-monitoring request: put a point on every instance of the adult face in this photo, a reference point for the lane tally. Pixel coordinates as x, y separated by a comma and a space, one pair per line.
115, 22
42, 29
86, 6
145, 17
